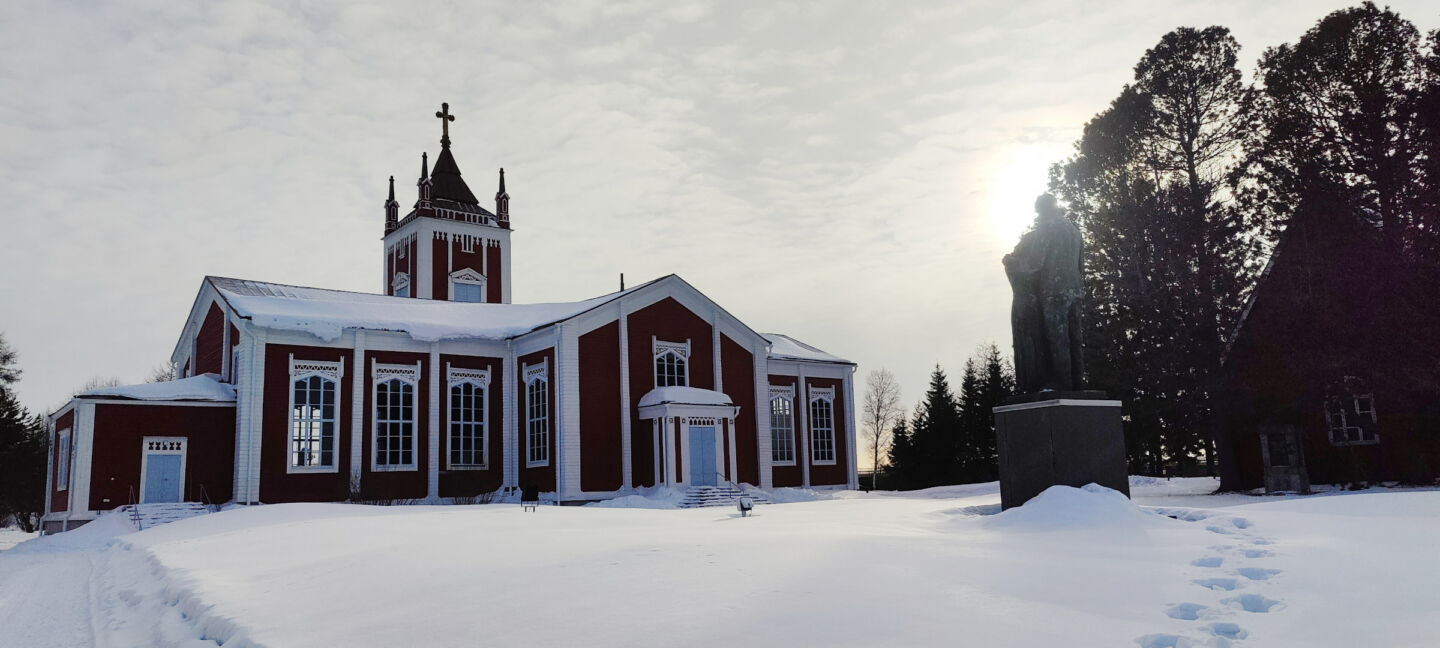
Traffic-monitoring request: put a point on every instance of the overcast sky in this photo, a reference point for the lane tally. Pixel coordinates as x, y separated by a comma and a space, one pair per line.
847, 173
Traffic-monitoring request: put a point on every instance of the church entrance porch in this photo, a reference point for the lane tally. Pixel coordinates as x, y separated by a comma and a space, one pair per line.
694, 443
162, 470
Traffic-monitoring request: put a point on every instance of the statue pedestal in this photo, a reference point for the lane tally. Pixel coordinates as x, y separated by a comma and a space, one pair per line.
1065, 438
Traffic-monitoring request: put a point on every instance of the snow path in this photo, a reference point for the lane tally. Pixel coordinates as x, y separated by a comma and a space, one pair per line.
45, 600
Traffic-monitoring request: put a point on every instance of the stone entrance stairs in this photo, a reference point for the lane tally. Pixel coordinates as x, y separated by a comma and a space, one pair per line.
723, 495
144, 516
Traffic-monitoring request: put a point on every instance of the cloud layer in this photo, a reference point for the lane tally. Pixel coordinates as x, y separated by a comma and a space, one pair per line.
837, 172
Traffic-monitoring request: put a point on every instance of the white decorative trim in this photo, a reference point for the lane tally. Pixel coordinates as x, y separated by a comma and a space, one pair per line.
457, 375
161, 446
785, 391
325, 369
823, 393
540, 370
702, 421
408, 373
658, 347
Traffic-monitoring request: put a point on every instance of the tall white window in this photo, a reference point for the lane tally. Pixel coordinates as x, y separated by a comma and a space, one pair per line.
466, 285
537, 415
62, 460
314, 407
468, 408
782, 428
672, 361
394, 423
822, 426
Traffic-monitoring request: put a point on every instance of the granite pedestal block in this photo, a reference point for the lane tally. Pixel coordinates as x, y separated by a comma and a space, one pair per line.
1043, 442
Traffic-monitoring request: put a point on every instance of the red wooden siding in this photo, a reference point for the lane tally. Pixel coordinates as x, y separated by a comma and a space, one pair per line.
826, 475
492, 273
467, 483
737, 373
119, 436
542, 477
59, 499
210, 342
601, 460
439, 269
395, 484
276, 485
234, 336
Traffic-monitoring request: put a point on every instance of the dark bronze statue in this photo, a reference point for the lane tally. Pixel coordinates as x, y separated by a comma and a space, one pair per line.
1044, 272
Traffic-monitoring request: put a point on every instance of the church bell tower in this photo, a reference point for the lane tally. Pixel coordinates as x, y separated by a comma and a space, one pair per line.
448, 247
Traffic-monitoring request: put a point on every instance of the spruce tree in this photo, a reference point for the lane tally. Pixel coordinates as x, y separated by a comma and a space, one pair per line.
22, 450
935, 433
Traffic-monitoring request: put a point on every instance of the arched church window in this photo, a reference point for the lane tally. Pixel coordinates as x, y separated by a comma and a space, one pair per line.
314, 412
822, 425
537, 415
672, 361
394, 422
468, 409
782, 426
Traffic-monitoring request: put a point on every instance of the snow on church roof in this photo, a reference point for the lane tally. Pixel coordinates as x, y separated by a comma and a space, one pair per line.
784, 347
327, 313
195, 388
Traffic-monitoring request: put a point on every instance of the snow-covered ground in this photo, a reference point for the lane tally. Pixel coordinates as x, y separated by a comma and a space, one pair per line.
936, 567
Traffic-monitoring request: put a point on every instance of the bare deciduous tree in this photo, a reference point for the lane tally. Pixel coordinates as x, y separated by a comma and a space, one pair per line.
881, 412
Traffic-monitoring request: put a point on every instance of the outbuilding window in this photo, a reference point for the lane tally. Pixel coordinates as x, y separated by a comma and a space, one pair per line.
782, 426
394, 416
537, 415
314, 406
1351, 420
822, 425
468, 440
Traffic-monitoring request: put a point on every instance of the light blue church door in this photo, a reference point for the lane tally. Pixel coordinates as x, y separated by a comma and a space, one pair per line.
702, 455
162, 478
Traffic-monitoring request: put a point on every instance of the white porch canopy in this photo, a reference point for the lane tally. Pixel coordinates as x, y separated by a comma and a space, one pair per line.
664, 402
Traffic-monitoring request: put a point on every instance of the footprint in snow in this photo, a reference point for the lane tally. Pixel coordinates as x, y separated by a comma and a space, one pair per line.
1215, 528
1224, 584
1240, 523
1227, 630
1261, 541
1185, 611
1257, 573
1208, 561
1255, 553
1162, 641
1252, 603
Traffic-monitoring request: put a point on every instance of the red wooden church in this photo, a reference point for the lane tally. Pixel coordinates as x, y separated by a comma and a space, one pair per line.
441, 389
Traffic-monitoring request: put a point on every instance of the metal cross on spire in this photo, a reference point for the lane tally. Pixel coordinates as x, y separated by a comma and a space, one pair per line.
445, 119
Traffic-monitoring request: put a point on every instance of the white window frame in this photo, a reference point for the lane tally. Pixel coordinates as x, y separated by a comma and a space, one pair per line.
681, 352
408, 374
328, 370
401, 281
1349, 402
479, 378
62, 459
155, 445
785, 393
826, 395
469, 277
532, 374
